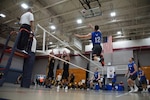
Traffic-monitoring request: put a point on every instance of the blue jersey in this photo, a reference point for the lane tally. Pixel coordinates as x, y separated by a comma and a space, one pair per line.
96, 37
140, 72
131, 67
96, 75
114, 78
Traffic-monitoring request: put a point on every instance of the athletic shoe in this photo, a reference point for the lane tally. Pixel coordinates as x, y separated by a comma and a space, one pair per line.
24, 51
66, 88
144, 91
132, 90
136, 89
58, 87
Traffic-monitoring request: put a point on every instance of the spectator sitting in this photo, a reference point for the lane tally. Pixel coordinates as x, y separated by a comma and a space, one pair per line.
48, 83
72, 77
121, 84
58, 79
114, 80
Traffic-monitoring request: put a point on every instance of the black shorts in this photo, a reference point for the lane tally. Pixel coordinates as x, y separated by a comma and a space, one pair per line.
97, 49
143, 81
50, 74
95, 81
23, 40
133, 77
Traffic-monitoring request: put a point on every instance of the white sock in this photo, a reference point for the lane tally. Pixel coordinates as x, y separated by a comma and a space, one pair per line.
131, 88
143, 89
135, 86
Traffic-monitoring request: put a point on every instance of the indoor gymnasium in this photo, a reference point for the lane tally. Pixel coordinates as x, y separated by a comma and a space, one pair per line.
74, 49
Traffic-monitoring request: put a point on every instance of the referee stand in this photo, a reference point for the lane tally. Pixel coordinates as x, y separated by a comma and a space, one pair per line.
28, 60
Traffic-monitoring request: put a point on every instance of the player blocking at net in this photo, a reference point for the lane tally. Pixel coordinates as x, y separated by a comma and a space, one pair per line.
96, 38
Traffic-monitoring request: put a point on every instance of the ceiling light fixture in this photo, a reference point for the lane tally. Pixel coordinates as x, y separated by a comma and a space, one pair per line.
2, 15
24, 6
53, 27
50, 42
119, 32
113, 14
79, 21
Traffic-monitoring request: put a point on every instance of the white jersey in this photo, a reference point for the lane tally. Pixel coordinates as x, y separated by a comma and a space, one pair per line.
26, 18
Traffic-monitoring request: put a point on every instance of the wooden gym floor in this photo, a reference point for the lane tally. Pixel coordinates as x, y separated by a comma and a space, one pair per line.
14, 92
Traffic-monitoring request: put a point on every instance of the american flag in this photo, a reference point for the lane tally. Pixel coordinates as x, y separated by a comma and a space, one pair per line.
108, 46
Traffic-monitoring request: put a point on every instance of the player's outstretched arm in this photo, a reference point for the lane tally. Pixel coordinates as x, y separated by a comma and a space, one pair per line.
91, 26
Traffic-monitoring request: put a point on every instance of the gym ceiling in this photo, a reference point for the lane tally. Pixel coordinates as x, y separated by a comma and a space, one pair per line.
123, 19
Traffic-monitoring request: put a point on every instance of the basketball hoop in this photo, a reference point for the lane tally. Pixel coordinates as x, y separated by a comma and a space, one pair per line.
83, 11
91, 12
